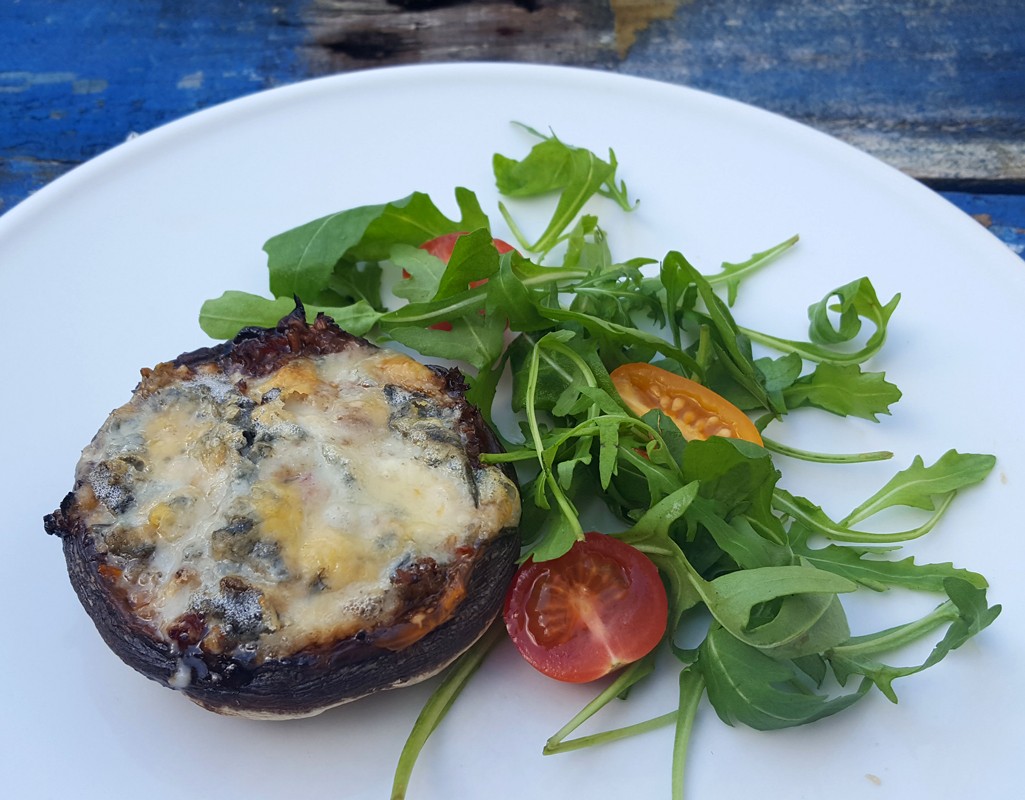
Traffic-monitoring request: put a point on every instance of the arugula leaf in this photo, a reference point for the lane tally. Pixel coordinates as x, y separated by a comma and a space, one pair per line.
858, 301
608, 446
359, 284
438, 705
732, 274
424, 271
730, 344
738, 476
845, 390
856, 298
414, 220
651, 535
476, 342
775, 375
744, 685
692, 689
623, 334
553, 166
675, 279
779, 373
966, 613
860, 565
802, 625
225, 316
741, 540
587, 248
644, 479
919, 486
301, 260
546, 480
812, 517
428, 313
928, 488
509, 297
808, 596
474, 258
555, 372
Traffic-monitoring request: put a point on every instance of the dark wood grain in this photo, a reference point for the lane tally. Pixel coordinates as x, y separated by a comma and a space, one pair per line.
354, 35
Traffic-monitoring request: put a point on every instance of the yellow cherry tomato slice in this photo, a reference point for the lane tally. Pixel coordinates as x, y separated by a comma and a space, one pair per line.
698, 412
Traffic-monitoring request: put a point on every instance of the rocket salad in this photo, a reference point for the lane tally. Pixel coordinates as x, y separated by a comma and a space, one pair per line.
634, 387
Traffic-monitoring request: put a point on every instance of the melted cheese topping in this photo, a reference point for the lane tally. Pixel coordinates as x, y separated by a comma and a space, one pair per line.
266, 516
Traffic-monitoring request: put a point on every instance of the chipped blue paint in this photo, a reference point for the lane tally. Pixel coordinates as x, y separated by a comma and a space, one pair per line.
79, 76
1003, 214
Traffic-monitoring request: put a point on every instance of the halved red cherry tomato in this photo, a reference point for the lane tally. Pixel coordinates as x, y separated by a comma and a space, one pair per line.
698, 412
441, 247
578, 617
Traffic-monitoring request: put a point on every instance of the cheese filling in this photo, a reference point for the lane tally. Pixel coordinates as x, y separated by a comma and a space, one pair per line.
259, 517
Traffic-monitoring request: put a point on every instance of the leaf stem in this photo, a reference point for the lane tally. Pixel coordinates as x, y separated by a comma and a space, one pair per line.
783, 501
627, 678
825, 458
692, 687
613, 735
734, 272
438, 704
565, 506
899, 636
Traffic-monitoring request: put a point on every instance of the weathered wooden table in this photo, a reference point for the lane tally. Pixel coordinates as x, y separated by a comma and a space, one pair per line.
936, 89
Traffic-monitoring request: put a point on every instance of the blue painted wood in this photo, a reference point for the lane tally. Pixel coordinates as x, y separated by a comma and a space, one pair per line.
1003, 214
936, 88
913, 62
79, 76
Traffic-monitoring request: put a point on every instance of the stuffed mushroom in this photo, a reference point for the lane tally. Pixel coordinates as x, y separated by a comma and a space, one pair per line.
289, 521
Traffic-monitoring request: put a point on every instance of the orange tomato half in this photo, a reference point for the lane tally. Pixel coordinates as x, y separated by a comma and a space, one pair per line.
698, 412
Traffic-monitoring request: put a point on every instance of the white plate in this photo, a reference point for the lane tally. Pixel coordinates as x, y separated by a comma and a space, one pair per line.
104, 271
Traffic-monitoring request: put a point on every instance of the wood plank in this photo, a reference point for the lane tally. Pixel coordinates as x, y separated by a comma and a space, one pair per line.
937, 89
356, 34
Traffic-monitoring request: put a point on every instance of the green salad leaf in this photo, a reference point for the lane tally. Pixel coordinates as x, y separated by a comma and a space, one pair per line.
762, 573
574, 173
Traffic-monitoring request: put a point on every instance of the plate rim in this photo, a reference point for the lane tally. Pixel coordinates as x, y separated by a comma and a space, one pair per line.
137, 144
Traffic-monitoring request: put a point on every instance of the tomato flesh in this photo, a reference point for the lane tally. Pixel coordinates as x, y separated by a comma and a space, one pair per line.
441, 247
579, 617
698, 412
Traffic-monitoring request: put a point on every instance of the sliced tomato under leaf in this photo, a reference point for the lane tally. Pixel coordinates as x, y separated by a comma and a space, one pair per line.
441, 247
